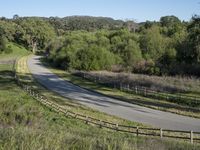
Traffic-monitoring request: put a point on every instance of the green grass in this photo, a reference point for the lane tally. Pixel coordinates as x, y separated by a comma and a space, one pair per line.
26, 124
17, 51
132, 98
6, 67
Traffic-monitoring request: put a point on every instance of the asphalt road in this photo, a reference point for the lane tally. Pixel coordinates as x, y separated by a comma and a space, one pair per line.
108, 105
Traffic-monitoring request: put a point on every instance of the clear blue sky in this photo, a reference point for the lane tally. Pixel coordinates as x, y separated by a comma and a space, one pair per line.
140, 10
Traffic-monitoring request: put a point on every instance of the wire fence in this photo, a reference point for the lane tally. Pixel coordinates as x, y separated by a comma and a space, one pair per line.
193, 101
193, 137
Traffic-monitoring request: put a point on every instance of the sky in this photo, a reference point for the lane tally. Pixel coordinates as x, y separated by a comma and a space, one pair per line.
137, 10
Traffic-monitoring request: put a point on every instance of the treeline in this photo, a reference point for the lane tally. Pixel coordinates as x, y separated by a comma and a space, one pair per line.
168, 46
87, 23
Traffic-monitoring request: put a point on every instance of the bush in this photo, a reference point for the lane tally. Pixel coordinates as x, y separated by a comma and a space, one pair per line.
8, 50
2, 44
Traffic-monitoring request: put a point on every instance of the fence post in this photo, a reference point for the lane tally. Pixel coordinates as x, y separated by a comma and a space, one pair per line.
196, 100
191, 137
145, 91
167, 97
128, 87
117, 127
75, 115
86, 121
99, 78
37, 95
100, 124
83, 75
136, 90
66, 113
137, 131
120, 86
161, 133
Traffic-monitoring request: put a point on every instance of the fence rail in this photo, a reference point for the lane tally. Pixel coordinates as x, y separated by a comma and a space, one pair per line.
138, 131
144, 91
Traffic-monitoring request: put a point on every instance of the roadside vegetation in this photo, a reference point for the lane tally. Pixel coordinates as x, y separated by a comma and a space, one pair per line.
15, 51
160, 104
172, 84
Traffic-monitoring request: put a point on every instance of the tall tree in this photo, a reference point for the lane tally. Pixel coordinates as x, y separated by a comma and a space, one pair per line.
37, 33
152, 43
194, 39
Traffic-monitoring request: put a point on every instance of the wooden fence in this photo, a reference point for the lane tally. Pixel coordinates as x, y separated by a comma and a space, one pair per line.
144, 91
193, 137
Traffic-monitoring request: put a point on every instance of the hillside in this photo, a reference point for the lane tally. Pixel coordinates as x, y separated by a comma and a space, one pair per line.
26, 124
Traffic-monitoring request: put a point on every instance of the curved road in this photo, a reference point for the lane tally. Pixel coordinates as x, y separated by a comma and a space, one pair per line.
108, 105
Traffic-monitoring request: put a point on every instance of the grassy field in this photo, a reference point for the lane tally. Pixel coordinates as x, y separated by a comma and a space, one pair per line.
132, 98
17, 51
26, 124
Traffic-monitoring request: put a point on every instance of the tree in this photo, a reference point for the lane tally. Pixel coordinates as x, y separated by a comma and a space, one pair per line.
2, 44
15, 17
37, 33
94, 58
152, 43
132, 53
168, 21
131, 25
8, 29
194, 39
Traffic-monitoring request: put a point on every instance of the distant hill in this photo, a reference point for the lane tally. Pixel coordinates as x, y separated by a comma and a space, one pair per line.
89, 23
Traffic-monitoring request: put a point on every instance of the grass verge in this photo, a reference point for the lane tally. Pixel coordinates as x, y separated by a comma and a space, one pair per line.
124, 96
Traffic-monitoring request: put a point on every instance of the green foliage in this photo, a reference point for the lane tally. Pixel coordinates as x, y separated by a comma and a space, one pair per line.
132, 53
7, 29
125, 44
35, 32
169, 21
83, 50
8, 50
95, 43
84, 23
2, 44
194, 39
13, 51
152, 43
94, 58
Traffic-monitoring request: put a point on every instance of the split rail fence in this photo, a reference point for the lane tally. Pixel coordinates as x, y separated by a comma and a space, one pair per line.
139, 90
